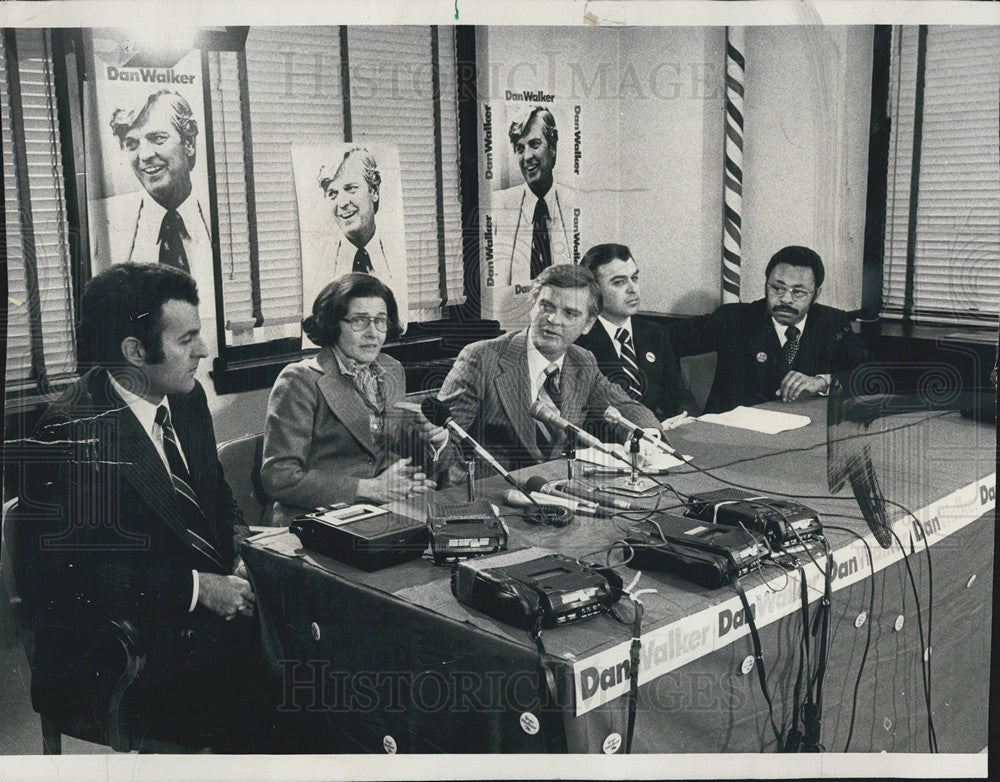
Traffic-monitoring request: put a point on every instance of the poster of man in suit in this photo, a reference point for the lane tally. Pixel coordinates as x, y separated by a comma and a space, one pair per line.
350, 202
531, 219
147, 188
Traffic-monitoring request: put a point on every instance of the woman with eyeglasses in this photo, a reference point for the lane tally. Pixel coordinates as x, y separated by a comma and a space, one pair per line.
332, 420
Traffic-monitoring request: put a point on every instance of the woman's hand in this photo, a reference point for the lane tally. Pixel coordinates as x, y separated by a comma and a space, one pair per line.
400, 481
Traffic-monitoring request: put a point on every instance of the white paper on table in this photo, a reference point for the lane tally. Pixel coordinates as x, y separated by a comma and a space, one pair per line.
657, 462
757, 420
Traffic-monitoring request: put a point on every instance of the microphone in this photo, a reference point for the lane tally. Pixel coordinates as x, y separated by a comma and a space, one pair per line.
567, 488
550, 416
613, 415
438, 413
538, 500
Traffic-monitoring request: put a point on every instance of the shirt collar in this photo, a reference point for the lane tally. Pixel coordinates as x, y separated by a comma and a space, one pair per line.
348, 366
548, 198
537, 363
188, 210
612, 329
781, 328
144, 410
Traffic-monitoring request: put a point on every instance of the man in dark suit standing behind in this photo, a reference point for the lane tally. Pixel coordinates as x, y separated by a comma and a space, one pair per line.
494, 382
632, 352
141, 521
784, 346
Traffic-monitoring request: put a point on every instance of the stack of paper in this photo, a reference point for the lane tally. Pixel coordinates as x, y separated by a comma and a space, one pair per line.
757, 420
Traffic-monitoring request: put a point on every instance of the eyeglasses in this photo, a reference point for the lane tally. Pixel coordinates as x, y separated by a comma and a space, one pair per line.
798, 294
362, 322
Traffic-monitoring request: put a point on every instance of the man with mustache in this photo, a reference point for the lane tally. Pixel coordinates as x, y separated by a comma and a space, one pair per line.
784, 346
353, 186
533, 220
494, 382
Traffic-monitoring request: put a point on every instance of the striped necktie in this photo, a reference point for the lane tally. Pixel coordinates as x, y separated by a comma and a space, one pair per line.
197, 525
791, 347
630, 366
543, 435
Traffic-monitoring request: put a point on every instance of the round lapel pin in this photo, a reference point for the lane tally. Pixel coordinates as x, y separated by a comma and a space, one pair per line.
650, 357
761, 357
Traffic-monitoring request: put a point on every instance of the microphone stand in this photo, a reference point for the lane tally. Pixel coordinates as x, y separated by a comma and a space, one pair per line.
570, 452
632, 485
470, 471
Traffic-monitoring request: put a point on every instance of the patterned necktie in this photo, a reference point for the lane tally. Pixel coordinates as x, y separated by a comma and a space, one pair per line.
362, 262
197, 525
791, 344
630, 366
543, 435
171, 240
541, 251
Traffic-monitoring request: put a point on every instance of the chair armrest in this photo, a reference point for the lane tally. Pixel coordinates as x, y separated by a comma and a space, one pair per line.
124, 632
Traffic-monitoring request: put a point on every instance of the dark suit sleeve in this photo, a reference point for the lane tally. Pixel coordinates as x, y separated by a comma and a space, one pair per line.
109, 562
676, 397
699, 334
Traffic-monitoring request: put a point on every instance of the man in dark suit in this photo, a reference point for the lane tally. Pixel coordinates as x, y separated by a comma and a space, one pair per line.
494, 382
784, 346
632, 352
140, 521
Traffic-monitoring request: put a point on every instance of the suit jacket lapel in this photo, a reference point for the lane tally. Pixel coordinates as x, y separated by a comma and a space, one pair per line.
602, 346
574, 395
200, 454
513, 387
141, 467
343, 399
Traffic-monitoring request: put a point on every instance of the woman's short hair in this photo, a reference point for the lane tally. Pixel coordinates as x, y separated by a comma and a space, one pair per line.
332, 303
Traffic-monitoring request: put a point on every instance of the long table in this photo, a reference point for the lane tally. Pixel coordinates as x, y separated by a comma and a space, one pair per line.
391, 661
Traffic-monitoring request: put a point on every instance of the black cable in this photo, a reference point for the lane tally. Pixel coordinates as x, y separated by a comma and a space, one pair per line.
924, 657
759, 661
930, 608
868, 638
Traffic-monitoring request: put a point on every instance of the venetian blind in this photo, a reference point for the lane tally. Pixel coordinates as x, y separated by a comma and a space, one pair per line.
40, 230
392, 90
295, 96
956, 253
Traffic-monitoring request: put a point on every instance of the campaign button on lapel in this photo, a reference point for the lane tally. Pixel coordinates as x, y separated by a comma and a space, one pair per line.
650, 357
761, 357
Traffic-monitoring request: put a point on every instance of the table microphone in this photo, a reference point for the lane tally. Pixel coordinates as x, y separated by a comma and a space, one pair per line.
548, 415
438, 413
592, 497
613, 415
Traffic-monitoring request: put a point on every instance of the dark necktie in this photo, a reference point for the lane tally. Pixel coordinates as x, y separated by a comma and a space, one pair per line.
541, 251
791, 345
362, 262
630, 366
197, 525
544, 436
171, 240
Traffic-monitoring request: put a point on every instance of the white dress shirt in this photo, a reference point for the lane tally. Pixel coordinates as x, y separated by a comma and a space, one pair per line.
612, 330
